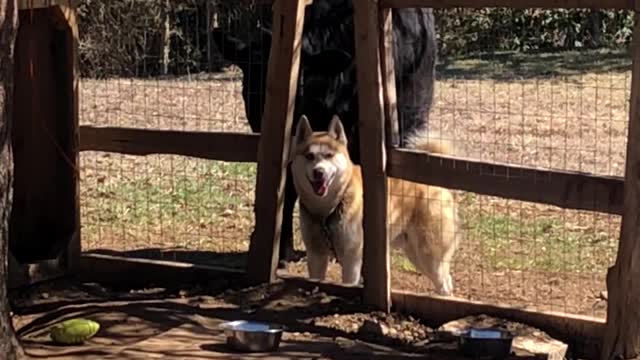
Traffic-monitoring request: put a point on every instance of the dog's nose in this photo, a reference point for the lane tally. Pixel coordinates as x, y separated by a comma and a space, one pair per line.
318, 174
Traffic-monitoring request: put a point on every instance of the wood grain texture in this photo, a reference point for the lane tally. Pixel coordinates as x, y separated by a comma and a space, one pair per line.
376, 266
622, 335
45, 215
516, 4
273, 149
65, 18
223, 146
571, 190
38, 4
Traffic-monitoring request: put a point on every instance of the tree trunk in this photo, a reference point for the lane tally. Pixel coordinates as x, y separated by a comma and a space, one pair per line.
622, 334
595, 19
9, 345
166, 38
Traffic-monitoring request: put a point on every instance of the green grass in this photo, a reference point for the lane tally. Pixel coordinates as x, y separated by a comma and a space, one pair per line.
508, 65
195, 197
203, 196
520, 244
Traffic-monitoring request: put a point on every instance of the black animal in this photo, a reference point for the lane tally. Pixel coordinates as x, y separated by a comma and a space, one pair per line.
327, 80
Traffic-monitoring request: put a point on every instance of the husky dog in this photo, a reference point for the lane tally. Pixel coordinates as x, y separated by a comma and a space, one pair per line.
422, 219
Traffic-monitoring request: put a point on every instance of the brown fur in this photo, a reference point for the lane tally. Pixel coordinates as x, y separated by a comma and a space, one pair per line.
422, 219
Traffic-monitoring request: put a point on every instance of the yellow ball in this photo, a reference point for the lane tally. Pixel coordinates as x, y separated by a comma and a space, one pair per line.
74, 331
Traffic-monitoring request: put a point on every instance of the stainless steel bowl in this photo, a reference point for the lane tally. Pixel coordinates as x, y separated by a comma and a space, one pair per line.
250, 336
492, 343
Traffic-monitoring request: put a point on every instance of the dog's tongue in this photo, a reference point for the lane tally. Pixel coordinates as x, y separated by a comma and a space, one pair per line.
319, 187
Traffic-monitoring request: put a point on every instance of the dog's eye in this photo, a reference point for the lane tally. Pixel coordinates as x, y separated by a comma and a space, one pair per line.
309, 156
328, 155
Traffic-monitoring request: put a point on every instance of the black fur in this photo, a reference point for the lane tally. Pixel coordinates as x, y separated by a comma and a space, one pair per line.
327, 81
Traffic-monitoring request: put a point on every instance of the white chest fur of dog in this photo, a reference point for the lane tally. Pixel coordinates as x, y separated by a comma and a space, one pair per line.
422, 218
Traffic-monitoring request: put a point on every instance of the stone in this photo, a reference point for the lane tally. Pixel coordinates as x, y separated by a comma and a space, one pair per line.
372, 328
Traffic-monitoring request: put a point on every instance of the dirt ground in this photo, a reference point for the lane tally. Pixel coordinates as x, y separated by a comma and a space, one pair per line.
183, 323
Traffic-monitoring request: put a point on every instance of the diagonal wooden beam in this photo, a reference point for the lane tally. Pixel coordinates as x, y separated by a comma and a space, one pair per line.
273, 149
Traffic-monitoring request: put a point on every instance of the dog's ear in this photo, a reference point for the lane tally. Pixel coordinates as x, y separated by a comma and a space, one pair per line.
303, 130
336, 130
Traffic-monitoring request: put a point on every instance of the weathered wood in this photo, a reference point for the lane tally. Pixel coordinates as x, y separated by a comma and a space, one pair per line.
622, 335
223, 146
571, 190
273, 149
582, 333
376, 266
516, 4
9, 346
133, 272
65, 17
38, 4
392, 134
45, 216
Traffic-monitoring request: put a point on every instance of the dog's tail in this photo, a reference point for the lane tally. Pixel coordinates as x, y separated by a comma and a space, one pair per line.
430, 142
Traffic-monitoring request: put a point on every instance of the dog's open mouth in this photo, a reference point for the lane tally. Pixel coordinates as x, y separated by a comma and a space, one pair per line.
320, 187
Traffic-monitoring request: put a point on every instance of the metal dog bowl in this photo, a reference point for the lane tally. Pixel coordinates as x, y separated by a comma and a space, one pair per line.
250, 336
486, 343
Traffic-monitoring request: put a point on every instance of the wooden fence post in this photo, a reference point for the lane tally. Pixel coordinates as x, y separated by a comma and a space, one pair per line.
622, 334
372, 148
45, 219
273, 149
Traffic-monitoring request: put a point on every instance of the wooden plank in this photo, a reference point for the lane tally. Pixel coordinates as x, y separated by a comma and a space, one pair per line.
273, 150
224, 146
582, 333
372, 149
571, 190
39, 4
65, 17
516, 4
392, 132
622, 335
133, 272
45, 212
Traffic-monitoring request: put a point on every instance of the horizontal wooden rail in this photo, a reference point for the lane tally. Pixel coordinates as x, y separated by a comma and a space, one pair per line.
224, 146
37, 4
570, 190
516, 4
134, 272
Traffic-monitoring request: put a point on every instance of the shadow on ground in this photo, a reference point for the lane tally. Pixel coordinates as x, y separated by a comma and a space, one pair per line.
187, 328
528, 65
231, 260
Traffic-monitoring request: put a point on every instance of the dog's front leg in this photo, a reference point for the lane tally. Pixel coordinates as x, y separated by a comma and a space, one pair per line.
317, 264
351, 267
